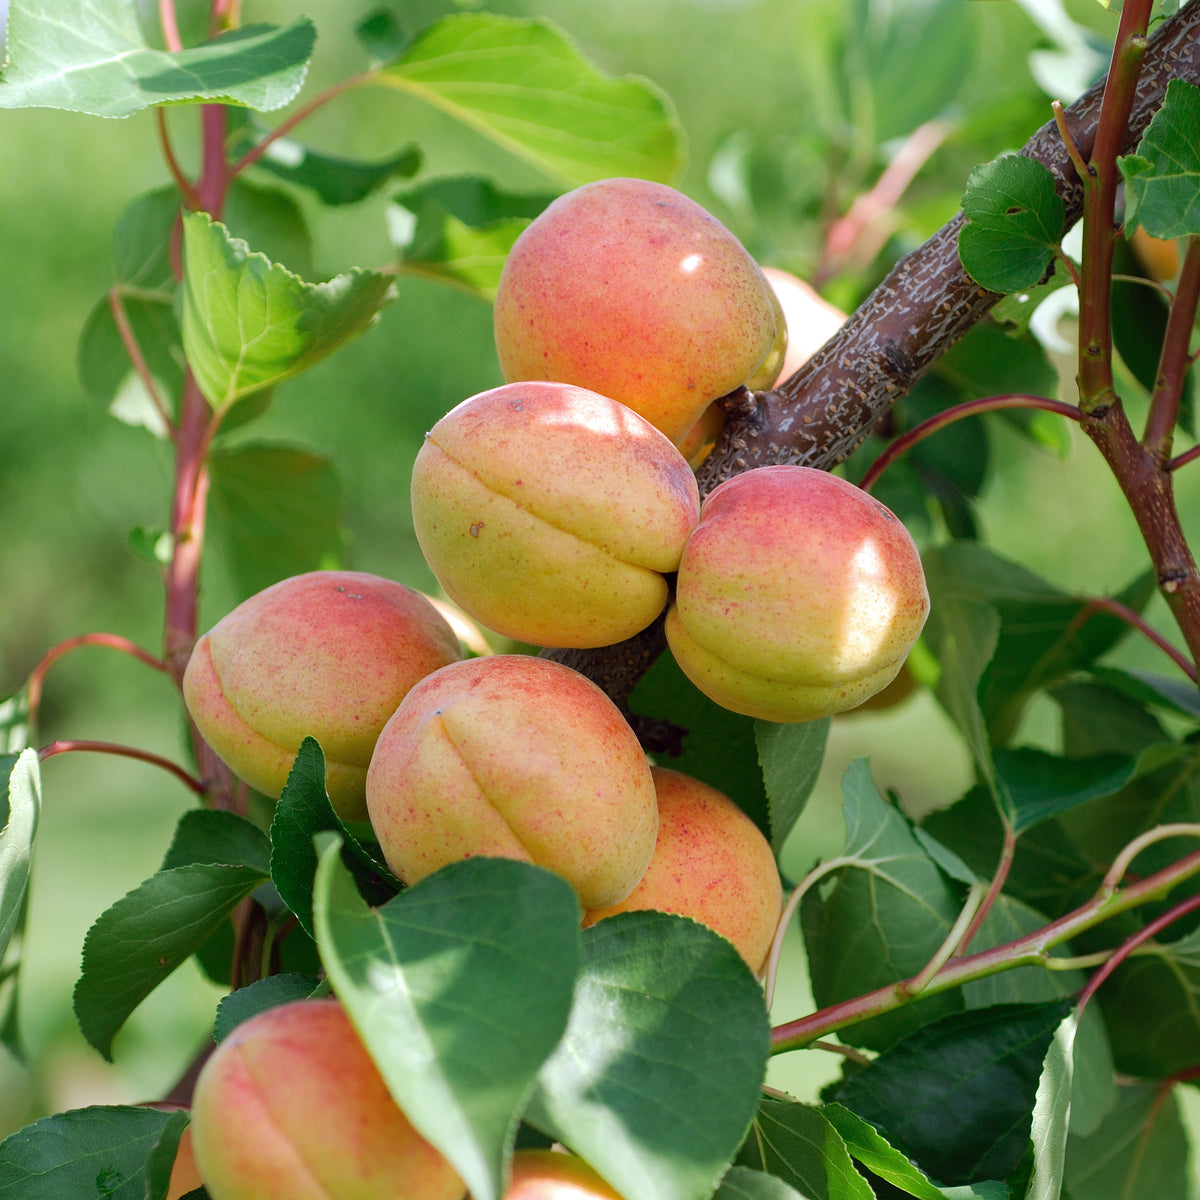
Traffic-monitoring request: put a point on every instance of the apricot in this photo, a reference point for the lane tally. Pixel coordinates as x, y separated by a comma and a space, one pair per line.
184, 1176
631, 289
517, 757
798, 595
291, 1105
550, 513
328, 654
811, 320
551, 1175
710, 863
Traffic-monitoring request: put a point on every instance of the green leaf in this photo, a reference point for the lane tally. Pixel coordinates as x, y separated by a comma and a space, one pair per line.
207, 835
276, 511
957, 1096
142, 238
869, 1147
523, 84
883, 918
303, 811
249, 323
658, 1075
1140, 1151
740, 1183
1151, 690
1162, 180
270, 220
1051, 1113
1036, 786
100, 63
884, 42
1014, 222
332, 178
797, 1143
101, 1152
260, 995
791, 757
962, 632
1043, 635
109, 376
460, 987
14, 722
134, 945
459, 231
21, 810
718, 746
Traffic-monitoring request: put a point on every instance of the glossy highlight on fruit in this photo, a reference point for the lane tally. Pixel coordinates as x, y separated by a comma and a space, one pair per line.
631, 289
798, 596
550, 513
517, 757
291, 1104
327, 654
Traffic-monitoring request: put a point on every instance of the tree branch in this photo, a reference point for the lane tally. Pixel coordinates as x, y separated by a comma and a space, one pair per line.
924, 305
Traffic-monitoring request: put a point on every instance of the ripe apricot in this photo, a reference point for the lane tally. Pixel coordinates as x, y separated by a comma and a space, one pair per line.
631, 289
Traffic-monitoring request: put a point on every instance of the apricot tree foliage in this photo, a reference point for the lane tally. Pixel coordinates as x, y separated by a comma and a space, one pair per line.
641, 1043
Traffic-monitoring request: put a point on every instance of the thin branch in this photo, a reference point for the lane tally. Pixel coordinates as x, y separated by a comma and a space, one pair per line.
1031, 950
186, 188
170, 26
301, 114
129, 340
1008, 852
1131, 943
1136, 621
789, 911
1159, 833
1173, 362
972, 912
113, 641
66, 747
1181, 460
957, 412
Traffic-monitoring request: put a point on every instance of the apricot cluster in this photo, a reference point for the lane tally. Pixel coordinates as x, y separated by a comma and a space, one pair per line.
557, 510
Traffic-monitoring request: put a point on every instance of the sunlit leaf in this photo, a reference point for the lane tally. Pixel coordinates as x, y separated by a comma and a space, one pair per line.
1162, 180
523, 84
797, 1143
658, 1075
460, 987
791, 757
249, 323
99, 62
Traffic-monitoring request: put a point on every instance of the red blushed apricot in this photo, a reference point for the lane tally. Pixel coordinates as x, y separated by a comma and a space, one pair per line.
798, 595
629, 288
516, 757
549, 1175
710, 863
550, 513
328, 654
291, 1105
184, 1176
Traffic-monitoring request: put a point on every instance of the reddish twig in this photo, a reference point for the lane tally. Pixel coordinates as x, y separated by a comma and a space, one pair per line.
66, 747
1131, 943
1136, 621
1008, 852
968, 408
170, 26
129, 340
186, 188
1174, 360
113, 641
301, 114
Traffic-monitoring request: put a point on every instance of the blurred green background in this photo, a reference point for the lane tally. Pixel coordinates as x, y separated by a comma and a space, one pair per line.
790, 108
